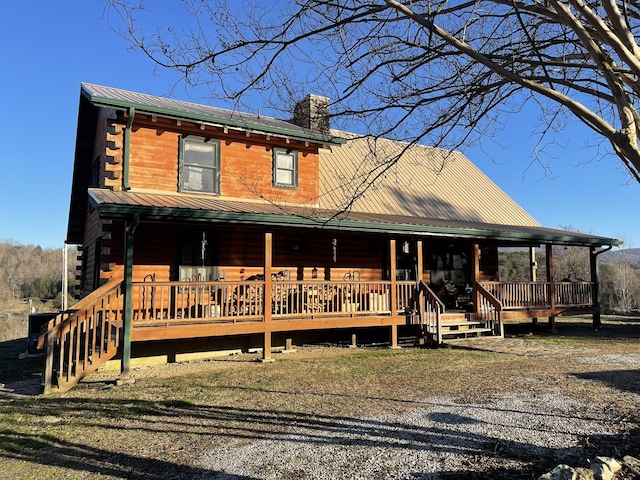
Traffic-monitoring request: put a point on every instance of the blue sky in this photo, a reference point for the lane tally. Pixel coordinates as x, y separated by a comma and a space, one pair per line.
49, 48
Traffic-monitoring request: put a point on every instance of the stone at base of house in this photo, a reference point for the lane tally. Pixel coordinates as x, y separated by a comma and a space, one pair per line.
112, 365
193, 357
138, 362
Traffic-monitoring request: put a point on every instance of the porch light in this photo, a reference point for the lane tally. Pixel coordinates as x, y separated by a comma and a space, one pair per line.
314, 273
405, 247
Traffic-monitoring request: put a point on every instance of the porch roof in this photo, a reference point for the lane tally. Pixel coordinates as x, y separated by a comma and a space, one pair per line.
149, 206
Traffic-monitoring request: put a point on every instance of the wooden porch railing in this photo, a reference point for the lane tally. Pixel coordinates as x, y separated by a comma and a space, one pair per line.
574, 294
490, 310
317, 298
532, 295
157, 303
161, 303
82, 339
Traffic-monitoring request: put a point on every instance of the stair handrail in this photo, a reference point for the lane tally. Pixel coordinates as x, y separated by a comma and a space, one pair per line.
495, 303
64, 323
79, 305
423, 287
423, 290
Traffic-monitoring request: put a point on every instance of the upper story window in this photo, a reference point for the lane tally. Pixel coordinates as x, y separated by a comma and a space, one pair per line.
199, 165
285, 167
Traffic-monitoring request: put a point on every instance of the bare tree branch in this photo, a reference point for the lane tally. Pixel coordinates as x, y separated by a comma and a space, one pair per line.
433, 71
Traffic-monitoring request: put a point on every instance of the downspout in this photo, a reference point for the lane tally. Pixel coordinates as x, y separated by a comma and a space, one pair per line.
127, 148
595, 278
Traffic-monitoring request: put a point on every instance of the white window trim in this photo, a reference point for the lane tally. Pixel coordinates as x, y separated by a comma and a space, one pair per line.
215, 168
294, 171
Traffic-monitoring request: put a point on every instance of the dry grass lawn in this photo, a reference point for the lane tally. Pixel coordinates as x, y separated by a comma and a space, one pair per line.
161, 426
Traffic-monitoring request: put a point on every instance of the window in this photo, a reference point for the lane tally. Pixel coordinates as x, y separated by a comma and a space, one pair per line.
199, 165
285, 167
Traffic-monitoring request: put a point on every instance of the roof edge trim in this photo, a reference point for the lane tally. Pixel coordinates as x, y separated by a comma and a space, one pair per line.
158, 213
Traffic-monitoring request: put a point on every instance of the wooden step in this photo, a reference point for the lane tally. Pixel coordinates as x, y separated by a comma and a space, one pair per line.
473, 332
453, 317
460, 325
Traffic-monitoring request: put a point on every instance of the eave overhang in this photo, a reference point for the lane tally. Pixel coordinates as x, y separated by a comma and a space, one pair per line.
179, 208
185, 111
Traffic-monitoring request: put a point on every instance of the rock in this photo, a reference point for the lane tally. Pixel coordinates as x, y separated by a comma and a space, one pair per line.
632, 464
585, 474
602, 468
561, 472
601, 471
612, 463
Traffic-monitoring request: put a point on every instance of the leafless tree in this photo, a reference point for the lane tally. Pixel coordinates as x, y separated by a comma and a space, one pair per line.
432, 71
625, 281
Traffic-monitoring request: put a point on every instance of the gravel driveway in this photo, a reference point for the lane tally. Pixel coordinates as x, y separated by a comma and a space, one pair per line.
510, 436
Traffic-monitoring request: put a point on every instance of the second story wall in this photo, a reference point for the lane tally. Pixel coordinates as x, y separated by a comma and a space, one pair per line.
246, 162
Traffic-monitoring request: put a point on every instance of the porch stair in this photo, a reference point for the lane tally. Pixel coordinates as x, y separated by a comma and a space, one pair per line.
82, 339
456, 325
438, 325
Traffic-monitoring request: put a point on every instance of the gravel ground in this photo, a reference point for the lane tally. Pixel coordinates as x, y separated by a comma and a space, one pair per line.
512, 436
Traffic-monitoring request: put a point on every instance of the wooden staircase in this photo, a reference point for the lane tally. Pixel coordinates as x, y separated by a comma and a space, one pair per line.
463, 325
438, 325
80, 340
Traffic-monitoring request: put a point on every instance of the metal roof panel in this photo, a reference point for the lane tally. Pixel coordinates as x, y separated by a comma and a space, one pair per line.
199, 207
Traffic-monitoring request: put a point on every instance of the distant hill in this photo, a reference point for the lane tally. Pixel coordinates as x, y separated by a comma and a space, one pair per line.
634, 255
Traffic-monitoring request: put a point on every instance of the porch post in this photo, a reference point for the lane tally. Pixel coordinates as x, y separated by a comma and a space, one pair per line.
533, 269
593, 260
533, 265
475, 276
127, 307
393, 273
419, 261
268, 260
552, 287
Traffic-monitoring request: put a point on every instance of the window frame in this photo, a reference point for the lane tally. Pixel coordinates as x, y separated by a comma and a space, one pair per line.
277, 152
184, 165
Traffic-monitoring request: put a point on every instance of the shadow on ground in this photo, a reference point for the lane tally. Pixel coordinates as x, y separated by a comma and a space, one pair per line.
157, 423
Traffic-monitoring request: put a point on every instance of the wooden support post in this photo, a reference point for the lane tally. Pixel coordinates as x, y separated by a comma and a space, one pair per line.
393, 273
552, 287
268, 260
475, 276
354, 340
419, 261
597, 307
533, 270
394, 336
127, 308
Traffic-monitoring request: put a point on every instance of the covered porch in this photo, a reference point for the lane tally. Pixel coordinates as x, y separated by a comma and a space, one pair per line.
258, 270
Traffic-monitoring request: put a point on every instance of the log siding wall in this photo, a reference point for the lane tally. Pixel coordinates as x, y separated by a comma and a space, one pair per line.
246, 163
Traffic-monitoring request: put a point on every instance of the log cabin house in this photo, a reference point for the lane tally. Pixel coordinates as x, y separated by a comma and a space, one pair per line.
204, 229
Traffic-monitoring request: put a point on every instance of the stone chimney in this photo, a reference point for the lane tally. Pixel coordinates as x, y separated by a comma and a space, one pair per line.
313, 113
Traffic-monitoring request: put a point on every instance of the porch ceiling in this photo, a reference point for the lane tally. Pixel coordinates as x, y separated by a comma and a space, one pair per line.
201, 208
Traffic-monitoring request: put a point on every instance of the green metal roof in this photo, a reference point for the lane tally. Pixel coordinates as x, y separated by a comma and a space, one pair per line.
142, 103
180, 207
